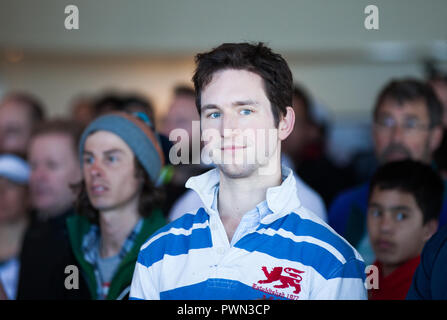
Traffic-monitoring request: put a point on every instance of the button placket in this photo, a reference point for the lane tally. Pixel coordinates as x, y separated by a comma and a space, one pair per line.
220, 244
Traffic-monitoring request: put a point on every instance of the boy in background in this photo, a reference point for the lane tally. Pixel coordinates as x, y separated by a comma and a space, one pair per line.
404, 206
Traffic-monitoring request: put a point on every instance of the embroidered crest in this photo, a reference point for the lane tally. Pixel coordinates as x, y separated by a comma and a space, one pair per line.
287, 277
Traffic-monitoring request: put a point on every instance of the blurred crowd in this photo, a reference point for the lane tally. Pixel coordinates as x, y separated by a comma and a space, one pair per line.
56, 174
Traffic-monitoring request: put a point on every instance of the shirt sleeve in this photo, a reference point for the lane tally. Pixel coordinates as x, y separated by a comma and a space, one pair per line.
144, 284
346, 283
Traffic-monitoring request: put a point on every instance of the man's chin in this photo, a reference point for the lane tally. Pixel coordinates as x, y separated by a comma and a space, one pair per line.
102, 206
235, 171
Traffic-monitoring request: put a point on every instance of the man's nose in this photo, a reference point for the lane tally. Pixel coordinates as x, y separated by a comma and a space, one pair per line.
229, 126
397, 133
95, 169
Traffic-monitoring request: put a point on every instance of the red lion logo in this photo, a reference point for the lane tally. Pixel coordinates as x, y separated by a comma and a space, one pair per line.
275, 275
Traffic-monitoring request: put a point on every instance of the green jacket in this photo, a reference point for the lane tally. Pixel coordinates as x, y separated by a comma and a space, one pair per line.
78, 226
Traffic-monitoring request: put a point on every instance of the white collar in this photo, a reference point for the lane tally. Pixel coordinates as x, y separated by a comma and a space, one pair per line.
281, 199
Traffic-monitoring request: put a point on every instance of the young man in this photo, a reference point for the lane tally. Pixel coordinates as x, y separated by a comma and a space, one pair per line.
117, 205
407, 125
403, 212
189, 201
252, 239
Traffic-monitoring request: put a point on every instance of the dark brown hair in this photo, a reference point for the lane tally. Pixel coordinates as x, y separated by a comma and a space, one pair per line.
415, 178
151, 197
408, 90
184, 90
256, 58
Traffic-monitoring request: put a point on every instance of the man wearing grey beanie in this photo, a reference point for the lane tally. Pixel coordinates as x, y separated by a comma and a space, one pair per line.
118, 207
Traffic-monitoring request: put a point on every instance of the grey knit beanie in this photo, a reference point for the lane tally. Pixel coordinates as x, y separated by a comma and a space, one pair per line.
137, 134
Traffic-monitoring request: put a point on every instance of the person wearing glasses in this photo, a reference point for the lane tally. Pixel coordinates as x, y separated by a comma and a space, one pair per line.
406, 125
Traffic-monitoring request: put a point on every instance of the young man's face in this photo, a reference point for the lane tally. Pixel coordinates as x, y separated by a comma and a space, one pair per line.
236, 108
109, 172
395, 226
54, 167
402, 132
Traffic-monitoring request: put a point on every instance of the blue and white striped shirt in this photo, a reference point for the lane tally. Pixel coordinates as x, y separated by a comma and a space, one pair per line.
289, 253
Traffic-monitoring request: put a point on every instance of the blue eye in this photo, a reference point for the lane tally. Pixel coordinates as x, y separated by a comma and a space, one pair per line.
88, 159
112, 158
246, 112
214, 115
400, 216
375, 212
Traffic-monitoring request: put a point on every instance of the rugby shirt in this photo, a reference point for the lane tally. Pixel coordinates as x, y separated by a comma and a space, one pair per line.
291, 254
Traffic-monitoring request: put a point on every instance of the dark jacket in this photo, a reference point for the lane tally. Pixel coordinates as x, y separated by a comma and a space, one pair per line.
78, 226
430, 281
41, 240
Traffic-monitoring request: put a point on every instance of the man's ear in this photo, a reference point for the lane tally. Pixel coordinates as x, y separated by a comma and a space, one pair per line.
430, 229
435, 138
286, 124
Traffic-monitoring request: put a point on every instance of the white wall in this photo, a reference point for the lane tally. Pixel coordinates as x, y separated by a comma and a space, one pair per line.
188, 25
59, 79
148, 45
